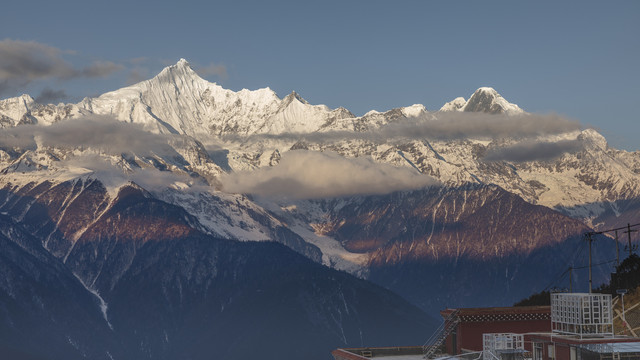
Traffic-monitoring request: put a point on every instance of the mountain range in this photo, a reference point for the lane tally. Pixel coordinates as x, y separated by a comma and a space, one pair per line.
151, 214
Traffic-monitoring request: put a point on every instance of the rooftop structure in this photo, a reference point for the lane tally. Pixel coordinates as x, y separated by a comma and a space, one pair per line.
503, 347
584, 315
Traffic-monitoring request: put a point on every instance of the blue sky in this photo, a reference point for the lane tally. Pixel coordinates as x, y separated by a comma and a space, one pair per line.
576, 58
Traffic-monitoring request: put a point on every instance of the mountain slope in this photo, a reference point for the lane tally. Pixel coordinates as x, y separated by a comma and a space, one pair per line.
45, 311
160, 288
238, 298
497, 247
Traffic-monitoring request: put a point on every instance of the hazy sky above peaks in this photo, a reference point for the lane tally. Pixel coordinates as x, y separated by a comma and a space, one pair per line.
575, 58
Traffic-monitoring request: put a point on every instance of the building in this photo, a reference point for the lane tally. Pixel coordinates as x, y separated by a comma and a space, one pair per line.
577, 326
474, 322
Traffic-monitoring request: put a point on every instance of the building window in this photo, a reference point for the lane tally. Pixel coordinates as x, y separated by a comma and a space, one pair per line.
551, 352
537, 351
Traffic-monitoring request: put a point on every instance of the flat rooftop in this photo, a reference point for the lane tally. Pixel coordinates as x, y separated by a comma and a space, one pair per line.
388, 353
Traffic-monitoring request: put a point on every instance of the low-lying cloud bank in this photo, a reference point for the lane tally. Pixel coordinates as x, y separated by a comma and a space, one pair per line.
534, 151
305, 174
113, 175
461, 125
101, 141
446, 126
102, 133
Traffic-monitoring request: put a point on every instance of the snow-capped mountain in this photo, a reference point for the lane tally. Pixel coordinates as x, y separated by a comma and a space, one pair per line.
589, 184
486, 100
178, 101
532, 183
24, 110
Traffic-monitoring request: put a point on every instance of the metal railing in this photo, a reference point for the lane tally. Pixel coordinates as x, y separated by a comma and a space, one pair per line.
439, 336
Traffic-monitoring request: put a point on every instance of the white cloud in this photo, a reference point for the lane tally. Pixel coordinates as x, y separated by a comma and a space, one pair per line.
103, 133
442, 126
113, 175
305, 174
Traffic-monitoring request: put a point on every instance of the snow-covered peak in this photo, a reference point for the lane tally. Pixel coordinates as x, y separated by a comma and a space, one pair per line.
488, 90
296, 115
414, 110
26, 98
182, 62
181, 71
456, 104
178, 100
176, 78
294, 96
487, 99
23, 101
13, 110
593, 137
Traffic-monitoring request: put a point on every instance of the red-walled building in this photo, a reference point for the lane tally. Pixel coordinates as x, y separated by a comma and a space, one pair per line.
578, 326
473, 322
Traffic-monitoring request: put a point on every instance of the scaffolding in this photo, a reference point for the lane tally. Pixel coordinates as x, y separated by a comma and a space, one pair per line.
581, 314
503, 346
